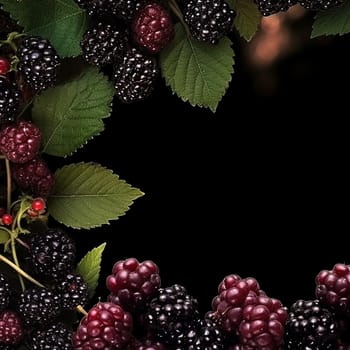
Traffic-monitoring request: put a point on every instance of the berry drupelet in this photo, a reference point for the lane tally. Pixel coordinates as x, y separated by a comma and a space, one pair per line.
320, 4
132, 284
38, 62
270, 7
10, 98
208, 20
4, 292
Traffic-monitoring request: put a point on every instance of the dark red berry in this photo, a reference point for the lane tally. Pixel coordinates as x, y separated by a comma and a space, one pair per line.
152, 27
20, 142
38, 204
149, 345
11, 329
107, 326
7, 219
4, 66
132, 283
34, 177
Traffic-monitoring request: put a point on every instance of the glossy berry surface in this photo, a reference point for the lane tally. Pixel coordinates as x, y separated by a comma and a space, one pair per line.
11, 329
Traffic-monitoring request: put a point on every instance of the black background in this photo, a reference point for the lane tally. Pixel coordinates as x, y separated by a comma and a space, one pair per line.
260, 188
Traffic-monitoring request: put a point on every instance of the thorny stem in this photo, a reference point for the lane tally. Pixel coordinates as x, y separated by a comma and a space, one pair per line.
20, 271
8, 183
175, 8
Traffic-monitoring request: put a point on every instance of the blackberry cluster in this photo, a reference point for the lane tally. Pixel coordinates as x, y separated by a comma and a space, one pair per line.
55, 337
270, 7
208, 20
320, 4
135, 76
132, 284
9, 100
310, 326
52, 253
4, 292
103, 44
38, 62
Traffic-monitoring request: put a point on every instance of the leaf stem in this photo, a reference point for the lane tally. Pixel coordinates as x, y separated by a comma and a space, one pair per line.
176, 9
20, 271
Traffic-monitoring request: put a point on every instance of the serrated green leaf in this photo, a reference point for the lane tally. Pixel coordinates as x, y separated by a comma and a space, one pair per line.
4, 236
197, 72
87, 195
69, 115
247, 19
333, 21
89, 268
63, 22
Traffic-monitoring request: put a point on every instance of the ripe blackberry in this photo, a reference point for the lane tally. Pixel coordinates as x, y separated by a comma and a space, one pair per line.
38, 306
124, 9
4, 292
310, 326
233, 294
103, 44
9, 100
55, 337
269, 7
208, 20
203, 334
11, 328
73, 291
52, 253
333, 288
132, 283
320, 4
34, 177
262, 325
38, 62
170, 313
149, 345
135, 76
152, 27
20, 142
107, 326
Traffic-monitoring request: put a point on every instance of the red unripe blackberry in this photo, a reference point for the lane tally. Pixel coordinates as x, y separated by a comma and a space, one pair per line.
333, 288
34, 177
4, 66
152, 27
20, 142
6, 219
38, 204
11, 328
107, 326
132, 283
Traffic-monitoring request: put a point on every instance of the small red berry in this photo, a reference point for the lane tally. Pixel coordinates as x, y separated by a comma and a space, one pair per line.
7, 219
4, 66
38, 204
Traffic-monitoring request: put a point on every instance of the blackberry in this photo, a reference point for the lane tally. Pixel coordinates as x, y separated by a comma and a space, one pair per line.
310, 326
11, 328
202, 335
262, 325
4, 292
132, 283
20, 142
234, 292
55, 337
333, 288
208, 20
4, 66
34, 177
73, 291
107, 326
320, 4
170, 313
135, 76
269, 7
124, 9
7, 25
52, 253
9, 100
38, 62
38, 306
103, 44
152, 27
149, 345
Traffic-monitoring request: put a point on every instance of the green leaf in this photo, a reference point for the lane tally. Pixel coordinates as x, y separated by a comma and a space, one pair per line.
197, 72
69, 115
247, 19
4, 236
87, 195
333, 21
89, 268
63, 22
